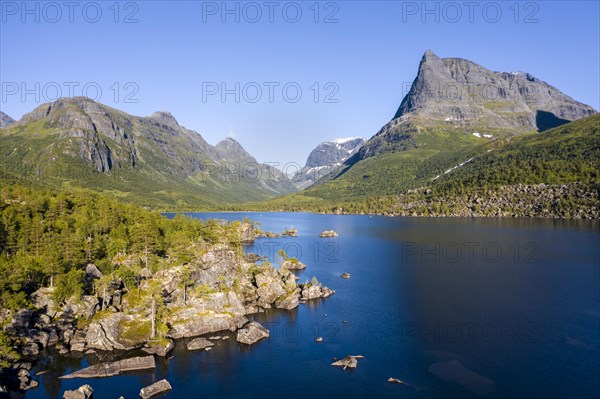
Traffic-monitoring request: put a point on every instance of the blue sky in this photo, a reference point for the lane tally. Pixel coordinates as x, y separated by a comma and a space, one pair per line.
170, 55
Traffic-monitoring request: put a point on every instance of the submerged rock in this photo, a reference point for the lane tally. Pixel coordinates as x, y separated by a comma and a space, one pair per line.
155, 389
455, 372
251, 333
345, 275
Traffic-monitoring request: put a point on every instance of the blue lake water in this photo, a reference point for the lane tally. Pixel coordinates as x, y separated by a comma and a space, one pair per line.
454, 307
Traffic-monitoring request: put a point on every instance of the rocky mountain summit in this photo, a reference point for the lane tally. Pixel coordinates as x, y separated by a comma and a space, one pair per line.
325, 158
5, 120
458, 94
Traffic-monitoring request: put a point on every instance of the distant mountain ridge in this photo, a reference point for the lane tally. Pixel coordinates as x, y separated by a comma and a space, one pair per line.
325, 159
147, 159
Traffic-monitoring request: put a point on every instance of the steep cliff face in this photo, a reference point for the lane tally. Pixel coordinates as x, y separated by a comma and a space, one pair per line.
325, 159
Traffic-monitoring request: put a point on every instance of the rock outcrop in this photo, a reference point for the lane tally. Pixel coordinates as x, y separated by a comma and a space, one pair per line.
314, 290
292, 264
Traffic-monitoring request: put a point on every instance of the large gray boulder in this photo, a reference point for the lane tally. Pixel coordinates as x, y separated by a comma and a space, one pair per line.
103, 334
252, 333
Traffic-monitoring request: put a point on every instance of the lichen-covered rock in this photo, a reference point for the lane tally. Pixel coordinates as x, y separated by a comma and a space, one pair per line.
19, 322
42, 300
246, 232
218, 266
210, 313
270, 287
289, 300
103, 334
314, 290
85, 307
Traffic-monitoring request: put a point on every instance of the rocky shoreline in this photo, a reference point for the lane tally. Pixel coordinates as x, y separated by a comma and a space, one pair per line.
217, 291
541, 201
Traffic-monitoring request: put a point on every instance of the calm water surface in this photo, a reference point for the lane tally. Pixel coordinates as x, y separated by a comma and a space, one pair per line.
454, 307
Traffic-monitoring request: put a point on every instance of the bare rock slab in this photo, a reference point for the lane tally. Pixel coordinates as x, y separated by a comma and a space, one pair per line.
155, 389
251, 333
110, 369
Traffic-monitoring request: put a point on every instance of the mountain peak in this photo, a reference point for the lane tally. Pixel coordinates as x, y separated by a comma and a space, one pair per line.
457, 92
5, 119
429, 55
227, 140
231, 150
164, 117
